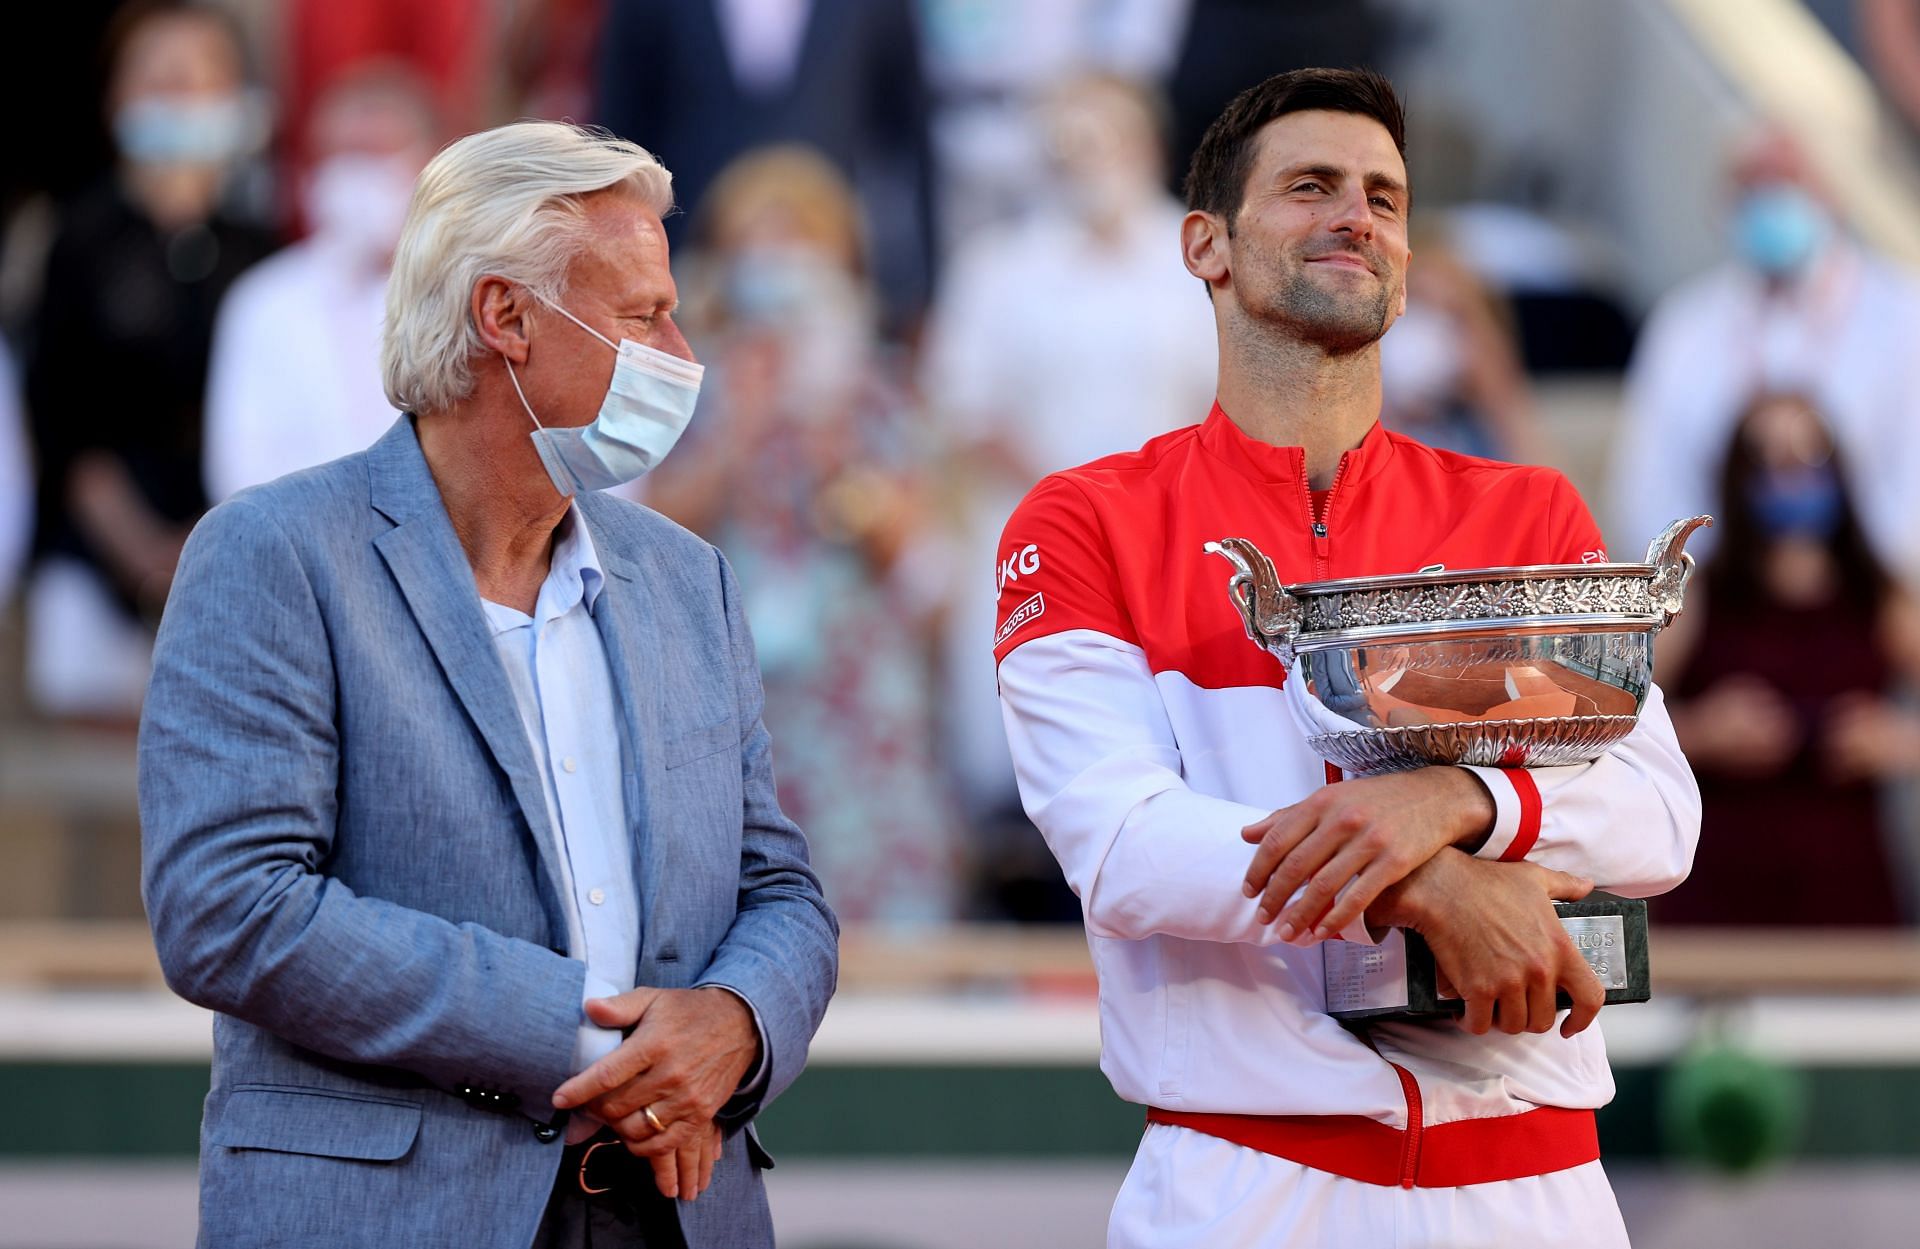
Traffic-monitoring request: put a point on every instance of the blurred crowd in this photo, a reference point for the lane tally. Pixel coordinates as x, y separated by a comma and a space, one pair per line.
927, 251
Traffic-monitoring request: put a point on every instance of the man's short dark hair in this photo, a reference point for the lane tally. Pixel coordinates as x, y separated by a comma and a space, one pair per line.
1217, 178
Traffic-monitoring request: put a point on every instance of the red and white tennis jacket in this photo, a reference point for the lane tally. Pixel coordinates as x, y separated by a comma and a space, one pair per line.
1146, 731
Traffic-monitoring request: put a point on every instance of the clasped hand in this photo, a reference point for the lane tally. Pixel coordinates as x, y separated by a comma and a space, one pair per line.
684, 1057
1348, 843
1387, 848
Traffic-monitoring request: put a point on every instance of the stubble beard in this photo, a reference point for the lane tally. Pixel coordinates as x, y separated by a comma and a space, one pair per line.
1336, 323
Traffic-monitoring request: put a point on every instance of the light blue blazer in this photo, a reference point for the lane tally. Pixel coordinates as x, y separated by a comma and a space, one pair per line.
348, 857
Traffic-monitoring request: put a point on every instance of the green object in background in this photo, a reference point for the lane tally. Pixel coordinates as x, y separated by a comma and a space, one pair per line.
1731, 1109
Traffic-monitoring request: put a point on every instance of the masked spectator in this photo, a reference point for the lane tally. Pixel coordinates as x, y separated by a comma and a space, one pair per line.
807, 466
1072, 335
1781, 671
451, 46
117, 366
990, 65
295, 374
1803, 307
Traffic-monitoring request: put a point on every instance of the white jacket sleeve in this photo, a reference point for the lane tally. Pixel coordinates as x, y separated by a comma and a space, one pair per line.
1100, 776
1628, 821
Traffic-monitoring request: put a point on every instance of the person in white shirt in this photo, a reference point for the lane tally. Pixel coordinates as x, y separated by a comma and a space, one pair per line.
1075, 334
294, 378
1804, 308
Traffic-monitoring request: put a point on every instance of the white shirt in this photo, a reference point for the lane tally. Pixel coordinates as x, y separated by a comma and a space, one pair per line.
556, 665
294, 375
1071, 348
763, 39
1847, 336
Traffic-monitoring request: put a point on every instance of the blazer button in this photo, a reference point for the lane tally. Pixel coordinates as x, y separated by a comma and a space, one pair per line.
545, 1133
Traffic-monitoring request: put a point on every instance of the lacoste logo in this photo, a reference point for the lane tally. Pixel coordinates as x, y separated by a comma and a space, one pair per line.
1025, 614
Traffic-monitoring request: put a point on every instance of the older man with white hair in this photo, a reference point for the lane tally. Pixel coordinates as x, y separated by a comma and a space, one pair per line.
457, 803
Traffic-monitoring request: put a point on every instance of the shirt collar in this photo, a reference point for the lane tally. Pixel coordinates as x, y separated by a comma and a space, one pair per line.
573, 576
1266, 463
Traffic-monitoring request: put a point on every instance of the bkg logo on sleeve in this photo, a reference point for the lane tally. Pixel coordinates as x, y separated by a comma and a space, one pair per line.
1022, 563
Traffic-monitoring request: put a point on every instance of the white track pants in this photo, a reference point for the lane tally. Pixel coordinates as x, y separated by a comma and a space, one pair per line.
1188, 1190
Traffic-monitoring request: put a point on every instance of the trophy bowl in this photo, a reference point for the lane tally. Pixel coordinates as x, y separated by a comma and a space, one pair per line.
1511, 667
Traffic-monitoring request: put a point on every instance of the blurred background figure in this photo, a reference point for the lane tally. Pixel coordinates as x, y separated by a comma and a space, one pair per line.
16, 482
294, 378
1805, 308
1075, 334
698, 82
808, 465
990, 64
1450, 370
1226, 46
453, 47
1782, 675
117, 363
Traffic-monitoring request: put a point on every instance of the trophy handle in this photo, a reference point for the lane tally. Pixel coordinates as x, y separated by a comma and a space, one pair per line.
1672, 566
1270, 615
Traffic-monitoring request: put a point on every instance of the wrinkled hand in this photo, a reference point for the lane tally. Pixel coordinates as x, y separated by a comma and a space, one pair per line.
1496, 938
685, 1056
1372, 831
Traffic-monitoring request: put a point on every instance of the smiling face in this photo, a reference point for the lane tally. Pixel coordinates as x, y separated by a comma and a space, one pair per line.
1318, 247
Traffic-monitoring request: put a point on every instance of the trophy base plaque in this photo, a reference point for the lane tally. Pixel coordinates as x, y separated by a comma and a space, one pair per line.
1397, 979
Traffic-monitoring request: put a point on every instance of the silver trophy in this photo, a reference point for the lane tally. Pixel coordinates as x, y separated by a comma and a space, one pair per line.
1510, 667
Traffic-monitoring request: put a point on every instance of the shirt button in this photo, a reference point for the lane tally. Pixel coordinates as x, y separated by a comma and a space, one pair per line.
545, 1132
569, 764
597, 896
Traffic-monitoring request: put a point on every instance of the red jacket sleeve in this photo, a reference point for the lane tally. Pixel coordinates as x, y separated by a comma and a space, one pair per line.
1055, 571
1571, 530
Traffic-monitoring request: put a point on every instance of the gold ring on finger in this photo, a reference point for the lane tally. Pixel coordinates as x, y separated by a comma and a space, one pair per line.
655, 1120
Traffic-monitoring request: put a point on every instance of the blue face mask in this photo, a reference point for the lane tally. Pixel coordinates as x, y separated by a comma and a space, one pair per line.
1777, 229
1796, 503
161, 130
646, 410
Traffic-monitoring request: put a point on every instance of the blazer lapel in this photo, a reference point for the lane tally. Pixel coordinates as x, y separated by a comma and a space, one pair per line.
425, 557
626, 619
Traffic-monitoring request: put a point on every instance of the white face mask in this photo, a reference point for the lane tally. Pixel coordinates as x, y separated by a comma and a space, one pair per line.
357, 203
647, 407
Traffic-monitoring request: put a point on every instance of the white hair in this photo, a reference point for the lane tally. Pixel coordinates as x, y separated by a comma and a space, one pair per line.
505, 202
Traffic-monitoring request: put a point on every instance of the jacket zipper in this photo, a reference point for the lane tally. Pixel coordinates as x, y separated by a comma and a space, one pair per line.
1317, 524
1410, 1154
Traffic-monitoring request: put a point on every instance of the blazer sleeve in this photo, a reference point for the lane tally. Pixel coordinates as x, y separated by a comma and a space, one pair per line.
239, 767
781, 952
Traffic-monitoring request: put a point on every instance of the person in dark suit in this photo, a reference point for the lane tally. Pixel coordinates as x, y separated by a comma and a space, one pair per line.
703, 82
